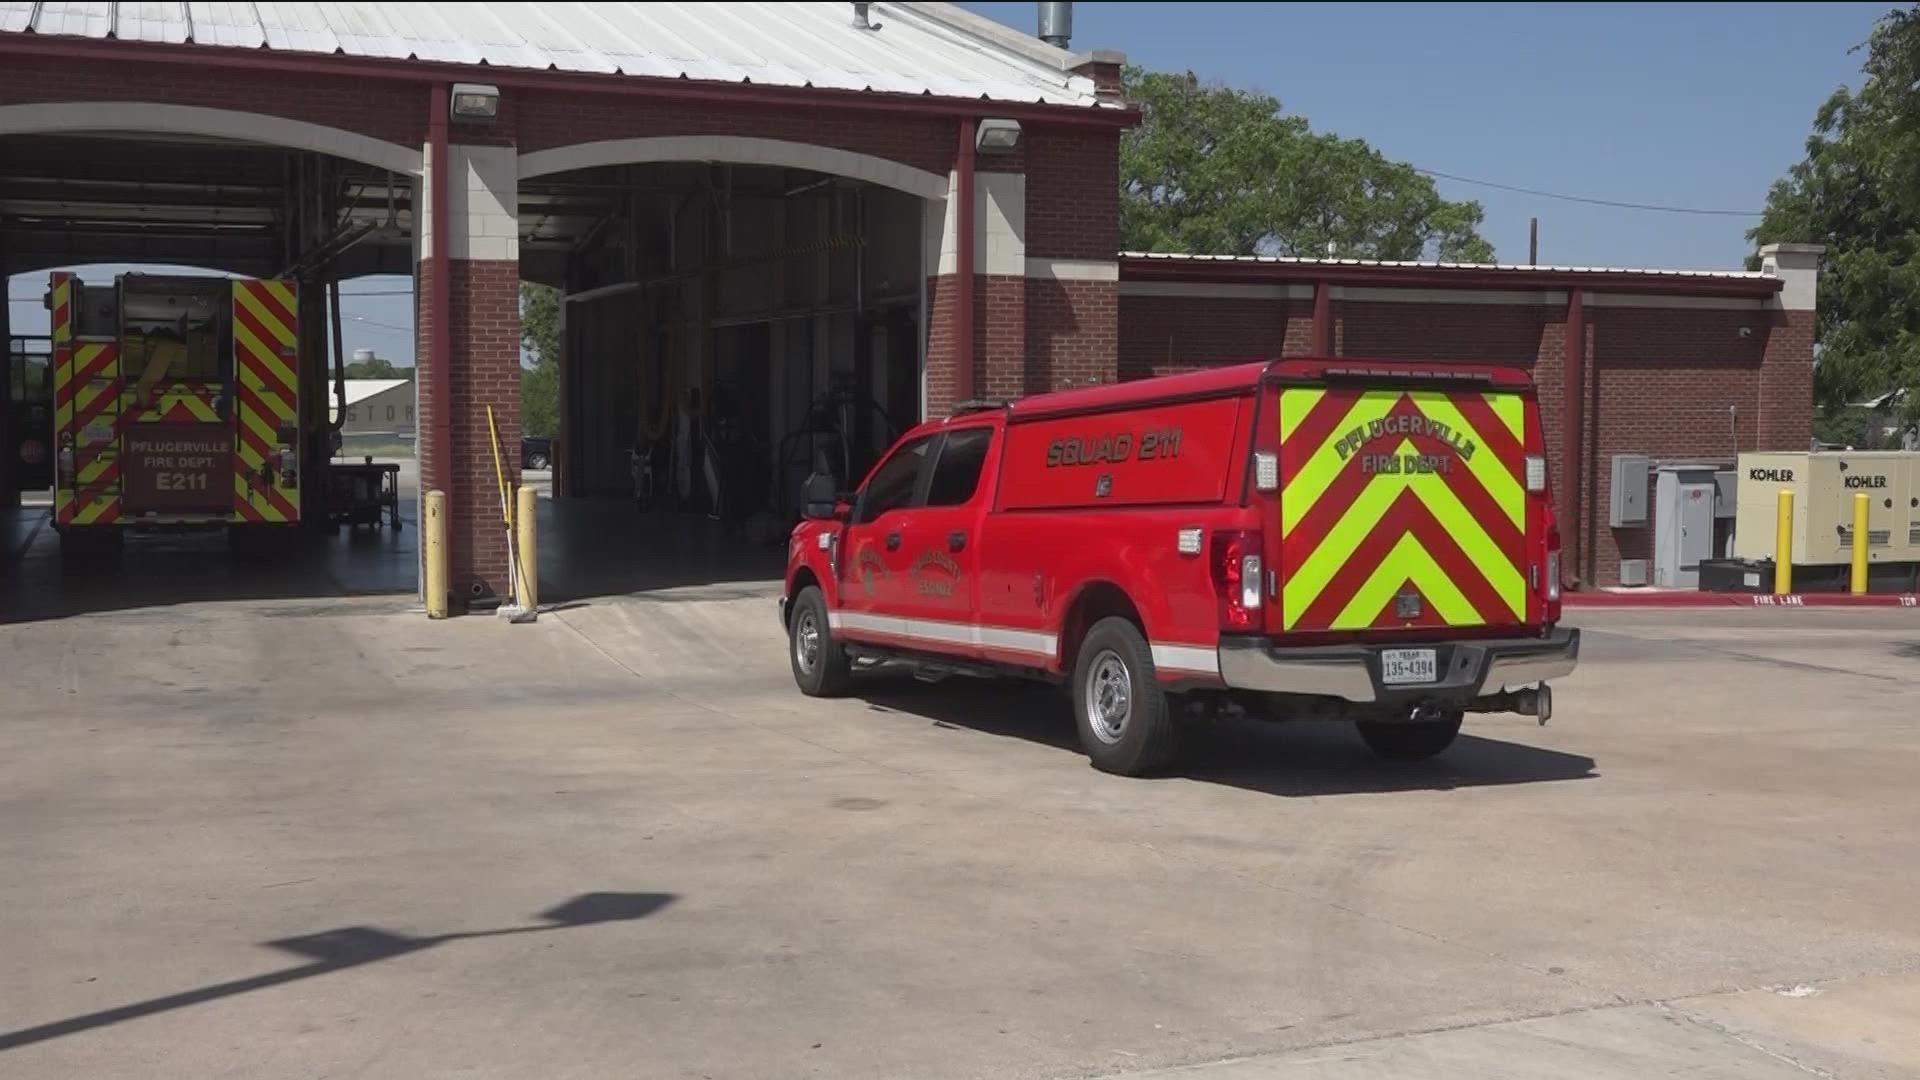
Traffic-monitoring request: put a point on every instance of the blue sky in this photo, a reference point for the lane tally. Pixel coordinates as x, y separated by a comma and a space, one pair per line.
1691, 105
1694, 105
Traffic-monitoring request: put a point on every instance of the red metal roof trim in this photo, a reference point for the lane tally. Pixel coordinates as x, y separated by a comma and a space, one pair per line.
1136, 267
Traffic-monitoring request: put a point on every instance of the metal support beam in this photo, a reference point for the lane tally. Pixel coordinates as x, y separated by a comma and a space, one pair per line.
1573, 410
439, 296
963, 269
1322, 344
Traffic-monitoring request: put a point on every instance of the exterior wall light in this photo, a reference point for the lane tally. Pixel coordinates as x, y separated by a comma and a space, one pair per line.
997, 136
475, 101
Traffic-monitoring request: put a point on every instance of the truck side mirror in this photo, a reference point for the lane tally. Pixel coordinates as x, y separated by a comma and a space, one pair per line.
820, 498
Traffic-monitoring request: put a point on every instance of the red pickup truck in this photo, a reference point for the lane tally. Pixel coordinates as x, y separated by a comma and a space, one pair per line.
1336, 539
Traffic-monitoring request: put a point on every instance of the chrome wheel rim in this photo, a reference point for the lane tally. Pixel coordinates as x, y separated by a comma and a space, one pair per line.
806, 641
1109, 695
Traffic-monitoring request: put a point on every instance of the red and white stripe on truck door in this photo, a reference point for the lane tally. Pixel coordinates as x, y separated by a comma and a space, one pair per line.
1011, 645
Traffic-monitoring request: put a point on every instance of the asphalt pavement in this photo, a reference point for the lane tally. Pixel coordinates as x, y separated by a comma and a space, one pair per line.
324, 837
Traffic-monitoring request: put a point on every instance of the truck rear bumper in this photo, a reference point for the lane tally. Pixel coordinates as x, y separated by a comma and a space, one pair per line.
1466, 669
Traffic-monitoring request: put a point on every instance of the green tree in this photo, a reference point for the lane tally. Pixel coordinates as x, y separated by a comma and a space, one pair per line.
1858, 192
1217, 171
539, 359
375, 368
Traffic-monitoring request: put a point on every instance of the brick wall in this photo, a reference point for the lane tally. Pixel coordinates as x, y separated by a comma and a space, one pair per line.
1493, 333
943, 387
1073, 333
1163, 335
1659, 380
1000, 328
1073, 193
1030, 335
1674, 384
484, 313
394, 112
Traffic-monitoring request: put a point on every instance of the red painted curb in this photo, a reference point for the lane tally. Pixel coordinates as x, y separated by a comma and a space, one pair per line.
1746, 600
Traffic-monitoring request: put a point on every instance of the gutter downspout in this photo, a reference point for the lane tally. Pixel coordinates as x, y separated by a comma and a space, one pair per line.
1322, 345
963, 268
439, 297
1573, 413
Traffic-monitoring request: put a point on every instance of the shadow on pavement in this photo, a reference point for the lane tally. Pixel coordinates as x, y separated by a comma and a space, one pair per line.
159, 569
609, 547
1303, 759
348, 947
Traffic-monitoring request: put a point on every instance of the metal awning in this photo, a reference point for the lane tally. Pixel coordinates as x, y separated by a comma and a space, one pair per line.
936, 50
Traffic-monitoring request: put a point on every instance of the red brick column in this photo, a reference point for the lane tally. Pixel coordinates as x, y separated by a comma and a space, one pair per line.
1072, 332
1073, 226
1785, 420
485, 371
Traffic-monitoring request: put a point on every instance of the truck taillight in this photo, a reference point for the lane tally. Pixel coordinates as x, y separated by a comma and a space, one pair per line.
1238, 578
1536, 473
65, 464
285, 464
1266, 470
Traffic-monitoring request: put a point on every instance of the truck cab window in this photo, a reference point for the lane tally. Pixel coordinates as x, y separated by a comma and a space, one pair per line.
956, 474
892, 486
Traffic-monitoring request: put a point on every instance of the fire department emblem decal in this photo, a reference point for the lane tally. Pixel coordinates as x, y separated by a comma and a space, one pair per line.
1407, 605
871, 567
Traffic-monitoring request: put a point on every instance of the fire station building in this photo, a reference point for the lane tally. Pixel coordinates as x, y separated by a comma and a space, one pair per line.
804, 225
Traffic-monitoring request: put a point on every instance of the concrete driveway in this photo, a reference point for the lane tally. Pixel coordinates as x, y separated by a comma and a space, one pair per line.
328, 838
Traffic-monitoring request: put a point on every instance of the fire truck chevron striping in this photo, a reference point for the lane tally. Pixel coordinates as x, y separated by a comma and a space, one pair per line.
1391, 493
176, 401
265, 347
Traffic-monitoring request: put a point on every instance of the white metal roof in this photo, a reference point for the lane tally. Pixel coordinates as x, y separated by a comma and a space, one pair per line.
1518, 268
359, 390
1882, 401
924, 49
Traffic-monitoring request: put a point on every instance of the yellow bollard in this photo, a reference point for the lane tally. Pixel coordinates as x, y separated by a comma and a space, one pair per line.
524, 525
1859, 583
1783, 547
436, 553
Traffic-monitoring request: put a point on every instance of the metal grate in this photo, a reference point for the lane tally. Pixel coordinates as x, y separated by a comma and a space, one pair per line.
1875, 537
1913, 534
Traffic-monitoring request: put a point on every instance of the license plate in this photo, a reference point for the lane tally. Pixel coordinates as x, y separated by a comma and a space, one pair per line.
1408, 666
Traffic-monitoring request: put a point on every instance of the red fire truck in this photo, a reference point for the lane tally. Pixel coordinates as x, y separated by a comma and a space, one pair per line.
1303, 538
176, 405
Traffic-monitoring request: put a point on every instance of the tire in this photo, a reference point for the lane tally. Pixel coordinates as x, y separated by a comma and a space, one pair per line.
820, 666
537, 461
1119, 708
1410, 742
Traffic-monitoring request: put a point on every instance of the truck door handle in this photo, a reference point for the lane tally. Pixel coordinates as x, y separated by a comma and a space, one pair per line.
893, 541
956, 540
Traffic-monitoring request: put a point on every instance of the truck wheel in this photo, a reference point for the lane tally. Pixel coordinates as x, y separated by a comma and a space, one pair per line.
1118, 705
1410, 742
820, 665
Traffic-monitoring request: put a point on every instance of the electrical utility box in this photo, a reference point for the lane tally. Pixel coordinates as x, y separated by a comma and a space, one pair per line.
1823, 485
1627, 491
1683, 524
